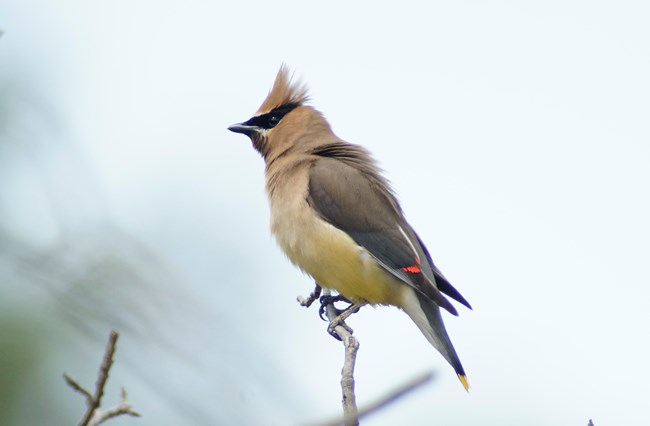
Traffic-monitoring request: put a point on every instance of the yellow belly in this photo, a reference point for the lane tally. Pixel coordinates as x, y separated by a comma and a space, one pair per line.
335, 261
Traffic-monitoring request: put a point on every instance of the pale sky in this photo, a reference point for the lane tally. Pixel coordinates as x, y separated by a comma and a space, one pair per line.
515, 133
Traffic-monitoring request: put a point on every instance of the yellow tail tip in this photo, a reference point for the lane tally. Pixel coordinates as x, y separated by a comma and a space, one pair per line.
463, 380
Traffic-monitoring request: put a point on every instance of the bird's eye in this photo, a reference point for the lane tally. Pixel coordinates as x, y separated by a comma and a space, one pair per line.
275, 119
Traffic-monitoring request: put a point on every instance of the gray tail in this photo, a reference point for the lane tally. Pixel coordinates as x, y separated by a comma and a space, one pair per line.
426, 315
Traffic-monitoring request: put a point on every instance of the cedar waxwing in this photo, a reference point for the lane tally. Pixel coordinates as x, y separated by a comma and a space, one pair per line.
337, 218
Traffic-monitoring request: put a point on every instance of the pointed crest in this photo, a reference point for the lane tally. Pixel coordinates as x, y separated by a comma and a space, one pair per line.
284, 91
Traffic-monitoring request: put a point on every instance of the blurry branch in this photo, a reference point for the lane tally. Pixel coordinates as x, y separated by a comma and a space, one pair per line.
388, 399
93, 416
397, 393
76, 257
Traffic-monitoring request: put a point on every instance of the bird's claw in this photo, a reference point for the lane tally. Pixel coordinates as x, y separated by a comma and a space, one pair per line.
331, 328
330, 300
341, 314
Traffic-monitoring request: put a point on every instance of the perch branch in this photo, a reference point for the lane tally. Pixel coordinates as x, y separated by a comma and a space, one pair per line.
338, 328
388, 399
351, 344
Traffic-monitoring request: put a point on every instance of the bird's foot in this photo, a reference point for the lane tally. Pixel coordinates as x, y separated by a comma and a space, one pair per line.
331, 300
341, 314
331, 329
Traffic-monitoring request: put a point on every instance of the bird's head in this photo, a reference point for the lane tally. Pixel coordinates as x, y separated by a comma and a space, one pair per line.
283, 118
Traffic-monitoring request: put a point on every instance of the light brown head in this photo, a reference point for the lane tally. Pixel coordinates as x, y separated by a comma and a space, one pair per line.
283, 122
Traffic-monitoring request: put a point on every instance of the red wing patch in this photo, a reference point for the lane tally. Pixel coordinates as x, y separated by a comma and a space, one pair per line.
413, 269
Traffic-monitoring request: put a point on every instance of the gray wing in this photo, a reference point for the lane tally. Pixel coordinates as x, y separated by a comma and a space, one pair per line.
364, 208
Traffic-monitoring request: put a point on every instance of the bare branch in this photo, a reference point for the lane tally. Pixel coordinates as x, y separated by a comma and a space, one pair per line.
76, 386
313, 296
93, 416
351, 345
338, 328
94, 402
122, 408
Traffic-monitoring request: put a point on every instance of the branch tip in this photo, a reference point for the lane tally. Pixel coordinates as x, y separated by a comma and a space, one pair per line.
93, 416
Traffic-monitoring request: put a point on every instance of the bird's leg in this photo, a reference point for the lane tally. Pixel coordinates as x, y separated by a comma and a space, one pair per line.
306, 302
345, 313
340, 319
341, 316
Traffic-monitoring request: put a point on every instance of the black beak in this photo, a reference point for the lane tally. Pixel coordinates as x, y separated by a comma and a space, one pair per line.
243, 129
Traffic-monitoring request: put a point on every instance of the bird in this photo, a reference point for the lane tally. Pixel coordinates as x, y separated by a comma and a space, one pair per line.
338, 219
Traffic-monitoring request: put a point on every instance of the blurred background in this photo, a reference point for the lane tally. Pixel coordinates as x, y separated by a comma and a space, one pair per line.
516, 136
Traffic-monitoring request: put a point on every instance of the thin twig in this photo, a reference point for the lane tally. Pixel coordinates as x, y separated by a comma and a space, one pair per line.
122, 408
76, 386
313, 296
93, 416
94, 402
